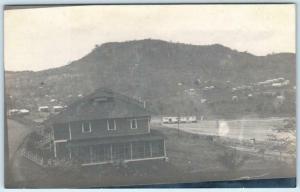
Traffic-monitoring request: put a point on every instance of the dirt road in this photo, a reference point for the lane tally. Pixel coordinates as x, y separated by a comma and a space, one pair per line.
17, 132
16, 135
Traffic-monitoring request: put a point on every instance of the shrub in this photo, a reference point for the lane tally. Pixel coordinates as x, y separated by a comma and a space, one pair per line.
232, 160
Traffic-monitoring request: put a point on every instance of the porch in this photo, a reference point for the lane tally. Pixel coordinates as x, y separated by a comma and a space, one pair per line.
117, 150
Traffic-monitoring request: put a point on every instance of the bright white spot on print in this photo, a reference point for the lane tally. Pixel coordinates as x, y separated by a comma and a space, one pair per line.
223, 128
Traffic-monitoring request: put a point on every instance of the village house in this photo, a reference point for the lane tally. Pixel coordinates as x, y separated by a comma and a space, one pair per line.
105, 127
182, 119
44, 109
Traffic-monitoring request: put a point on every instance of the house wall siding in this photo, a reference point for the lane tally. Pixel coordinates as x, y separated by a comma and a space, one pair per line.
99, 129
61, 131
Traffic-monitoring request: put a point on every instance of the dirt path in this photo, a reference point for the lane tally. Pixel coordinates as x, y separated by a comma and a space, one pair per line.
16, 135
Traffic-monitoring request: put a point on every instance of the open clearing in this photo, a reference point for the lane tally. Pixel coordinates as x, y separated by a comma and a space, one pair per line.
194, 152
244, 129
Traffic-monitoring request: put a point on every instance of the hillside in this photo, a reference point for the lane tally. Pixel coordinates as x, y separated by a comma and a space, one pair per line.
150, 70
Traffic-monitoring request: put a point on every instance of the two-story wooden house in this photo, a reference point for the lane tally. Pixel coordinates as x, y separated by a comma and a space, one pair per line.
105, 127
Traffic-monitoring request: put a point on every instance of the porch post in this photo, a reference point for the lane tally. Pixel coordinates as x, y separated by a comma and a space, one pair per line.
130, 150
150, 149
54, 148
149, 124
111, 152
70, 154
91, 153
70, 133
165, 152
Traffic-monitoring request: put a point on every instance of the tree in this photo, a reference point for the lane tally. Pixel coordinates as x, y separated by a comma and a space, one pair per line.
284, 139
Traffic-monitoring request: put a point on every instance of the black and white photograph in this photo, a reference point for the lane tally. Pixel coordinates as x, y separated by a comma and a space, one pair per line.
101, 96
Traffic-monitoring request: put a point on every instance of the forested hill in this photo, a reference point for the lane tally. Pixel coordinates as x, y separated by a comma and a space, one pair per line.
150, 70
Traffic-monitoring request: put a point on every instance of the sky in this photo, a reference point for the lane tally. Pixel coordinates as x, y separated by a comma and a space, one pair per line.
43, 38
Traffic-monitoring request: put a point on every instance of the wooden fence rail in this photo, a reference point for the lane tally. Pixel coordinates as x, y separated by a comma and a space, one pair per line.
33, 157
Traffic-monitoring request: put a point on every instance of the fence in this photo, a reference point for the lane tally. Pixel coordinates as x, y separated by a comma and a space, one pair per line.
33, 157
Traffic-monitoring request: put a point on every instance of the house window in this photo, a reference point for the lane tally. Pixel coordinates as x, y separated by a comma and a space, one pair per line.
133, 124
111, 125
86, 127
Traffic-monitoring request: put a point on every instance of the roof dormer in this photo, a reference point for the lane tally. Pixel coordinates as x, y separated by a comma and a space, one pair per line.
102, 99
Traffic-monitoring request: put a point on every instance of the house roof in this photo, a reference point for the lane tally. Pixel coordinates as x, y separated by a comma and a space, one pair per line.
102, 104
153, 135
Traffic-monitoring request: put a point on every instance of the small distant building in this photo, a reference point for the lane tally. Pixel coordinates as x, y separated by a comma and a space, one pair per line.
277, 84
203, 101
13, 112
105, 127
24, 112
169, 120
44, 109
183, 119
190, 92
18, 112
234, 98
58, 108
208, 88
191, 119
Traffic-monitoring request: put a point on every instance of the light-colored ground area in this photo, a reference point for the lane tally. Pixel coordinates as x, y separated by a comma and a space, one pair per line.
239, 135
197, 154
244, 129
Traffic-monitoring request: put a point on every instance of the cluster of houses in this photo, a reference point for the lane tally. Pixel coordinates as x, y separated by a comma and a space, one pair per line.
279, 82
18, 112
271, 88
209, 87
190, 92
54, 109
270, 83
41, 109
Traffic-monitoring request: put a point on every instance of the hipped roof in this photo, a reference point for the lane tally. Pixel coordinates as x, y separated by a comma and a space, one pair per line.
93, 107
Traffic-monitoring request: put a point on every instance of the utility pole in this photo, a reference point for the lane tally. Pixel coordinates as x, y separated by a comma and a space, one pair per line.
178, 117
178, 123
